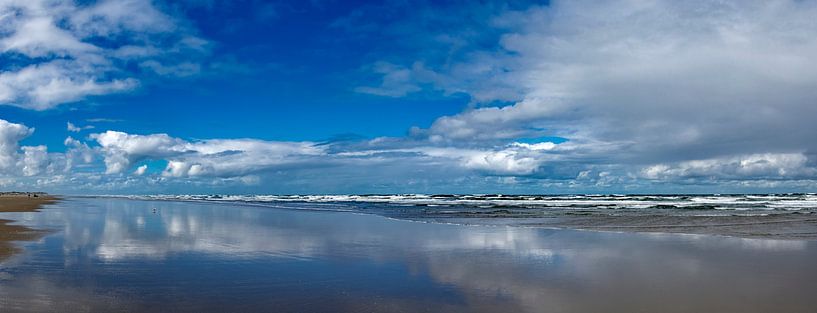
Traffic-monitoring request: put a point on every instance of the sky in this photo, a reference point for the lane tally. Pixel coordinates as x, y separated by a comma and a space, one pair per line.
340, 97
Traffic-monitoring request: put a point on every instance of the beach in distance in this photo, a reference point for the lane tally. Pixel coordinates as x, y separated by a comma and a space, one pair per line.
319, 254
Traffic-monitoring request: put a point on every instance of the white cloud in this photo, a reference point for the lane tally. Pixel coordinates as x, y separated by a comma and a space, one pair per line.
108, 17
753, 166
653, 81
35, 160
78, 153
140, 170
503, 162
53, 58
539, 146
385, 163
38, 36
17, 161
10, 136
515, 159
42, 86
122, 149
238, 157
216, 157
662, 90
74, 128
490, 123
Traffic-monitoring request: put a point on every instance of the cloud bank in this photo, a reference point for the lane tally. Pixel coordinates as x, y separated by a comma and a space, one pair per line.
703, 89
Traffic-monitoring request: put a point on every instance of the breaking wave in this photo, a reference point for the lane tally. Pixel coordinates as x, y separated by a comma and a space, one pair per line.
496, 205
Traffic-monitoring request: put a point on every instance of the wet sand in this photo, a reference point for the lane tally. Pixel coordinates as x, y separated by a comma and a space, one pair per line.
771, 226
119, 255
791, 216
767, 227
19, 202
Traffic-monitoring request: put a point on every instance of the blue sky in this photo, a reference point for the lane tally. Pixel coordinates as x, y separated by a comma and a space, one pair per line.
407, 97
277, 63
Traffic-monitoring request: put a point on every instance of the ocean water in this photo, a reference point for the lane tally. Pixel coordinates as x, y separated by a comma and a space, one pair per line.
135, 255
541, 205
783, 216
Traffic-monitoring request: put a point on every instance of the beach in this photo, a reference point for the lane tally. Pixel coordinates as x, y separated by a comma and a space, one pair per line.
19, 202
408, 156
132, 255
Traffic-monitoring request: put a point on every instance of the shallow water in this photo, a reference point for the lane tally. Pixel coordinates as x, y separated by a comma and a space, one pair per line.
121, 255
772, 216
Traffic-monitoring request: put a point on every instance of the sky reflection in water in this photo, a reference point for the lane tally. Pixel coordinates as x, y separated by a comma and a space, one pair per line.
116, 254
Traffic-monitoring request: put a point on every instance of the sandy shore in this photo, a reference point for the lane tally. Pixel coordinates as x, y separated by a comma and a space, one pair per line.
780, 226
793, 226
19, 202
116, 255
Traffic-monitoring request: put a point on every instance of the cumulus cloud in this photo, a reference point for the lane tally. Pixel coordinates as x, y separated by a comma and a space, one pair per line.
503, 162
122, 149
249, 161
17, 160
35, 160
10, 136
59, 51
140, 170
77, 153
382, 163
216, 157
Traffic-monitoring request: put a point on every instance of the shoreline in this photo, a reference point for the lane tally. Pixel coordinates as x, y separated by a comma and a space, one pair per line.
788, 226
797, 230
19, 202
117, 255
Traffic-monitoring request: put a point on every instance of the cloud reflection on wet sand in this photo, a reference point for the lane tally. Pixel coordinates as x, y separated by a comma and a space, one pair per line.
113, 251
